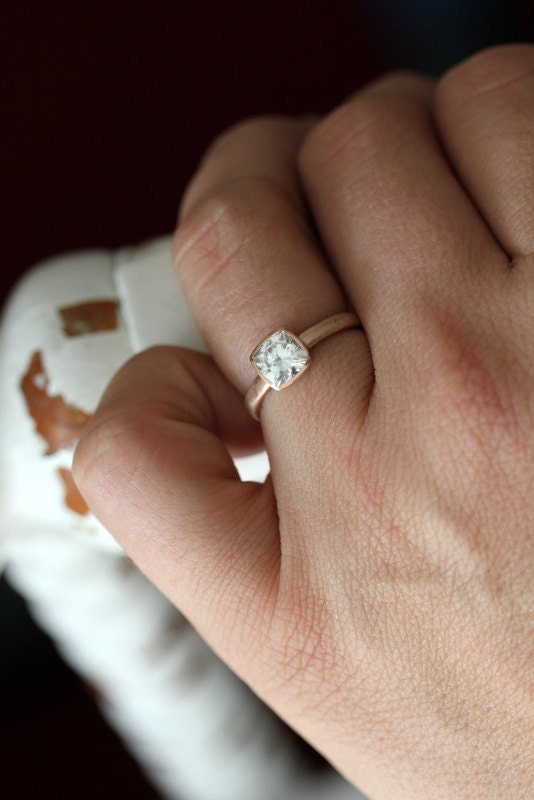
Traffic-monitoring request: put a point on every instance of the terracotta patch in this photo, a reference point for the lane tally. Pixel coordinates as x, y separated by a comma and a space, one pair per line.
90, 317
59, 423
73, 498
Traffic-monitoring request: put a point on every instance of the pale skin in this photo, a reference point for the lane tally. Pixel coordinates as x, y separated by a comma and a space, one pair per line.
378, 590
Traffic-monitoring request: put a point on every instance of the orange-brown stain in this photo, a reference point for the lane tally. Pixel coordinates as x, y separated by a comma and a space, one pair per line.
73, 498
59, 423
90, 317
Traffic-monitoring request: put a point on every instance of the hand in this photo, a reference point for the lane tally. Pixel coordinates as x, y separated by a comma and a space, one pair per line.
378, 590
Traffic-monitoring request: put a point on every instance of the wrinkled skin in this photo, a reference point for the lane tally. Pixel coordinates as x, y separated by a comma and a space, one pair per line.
378, 590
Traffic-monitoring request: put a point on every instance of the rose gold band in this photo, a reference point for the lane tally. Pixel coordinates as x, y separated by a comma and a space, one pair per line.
312, 336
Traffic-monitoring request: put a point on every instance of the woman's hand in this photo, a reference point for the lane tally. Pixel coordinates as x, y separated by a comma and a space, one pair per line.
378, 590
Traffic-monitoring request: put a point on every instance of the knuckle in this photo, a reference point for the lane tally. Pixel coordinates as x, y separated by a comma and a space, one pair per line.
104, 454
248, 129
220, 229
210, 236
351, 128
365, 122
490, 70
112, 440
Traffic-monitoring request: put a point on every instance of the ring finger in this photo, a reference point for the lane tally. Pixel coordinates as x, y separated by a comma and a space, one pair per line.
248, 262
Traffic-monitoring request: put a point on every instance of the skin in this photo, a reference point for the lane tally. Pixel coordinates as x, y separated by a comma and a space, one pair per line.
378, 590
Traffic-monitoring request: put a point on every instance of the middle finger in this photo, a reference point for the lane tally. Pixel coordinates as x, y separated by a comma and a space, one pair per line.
407, 242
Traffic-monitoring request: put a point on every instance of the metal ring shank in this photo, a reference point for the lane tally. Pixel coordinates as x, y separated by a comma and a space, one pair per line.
312, 336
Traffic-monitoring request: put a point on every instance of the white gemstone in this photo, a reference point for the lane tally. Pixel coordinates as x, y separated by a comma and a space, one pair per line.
280, 358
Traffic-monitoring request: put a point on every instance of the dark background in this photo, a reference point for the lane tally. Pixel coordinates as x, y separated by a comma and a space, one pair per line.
106, 108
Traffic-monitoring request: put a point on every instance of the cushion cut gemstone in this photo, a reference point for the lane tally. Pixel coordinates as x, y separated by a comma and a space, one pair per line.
280, 358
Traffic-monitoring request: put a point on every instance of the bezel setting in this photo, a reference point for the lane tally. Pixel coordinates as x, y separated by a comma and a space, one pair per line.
280, 359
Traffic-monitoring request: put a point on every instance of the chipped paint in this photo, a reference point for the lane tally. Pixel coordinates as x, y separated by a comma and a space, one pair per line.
89, 317
58, 422
73, 498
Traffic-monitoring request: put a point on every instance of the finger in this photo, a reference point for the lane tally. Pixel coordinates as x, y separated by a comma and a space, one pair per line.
243, 252
275, 139
152, 467
248, 264
406, 241
485, 112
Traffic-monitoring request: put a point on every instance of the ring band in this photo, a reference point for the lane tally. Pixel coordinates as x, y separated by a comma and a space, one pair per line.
281, 358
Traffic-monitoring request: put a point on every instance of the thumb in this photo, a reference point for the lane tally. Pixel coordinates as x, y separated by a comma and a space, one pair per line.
154, 467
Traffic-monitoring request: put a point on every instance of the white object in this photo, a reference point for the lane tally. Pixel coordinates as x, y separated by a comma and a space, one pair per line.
199, 733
